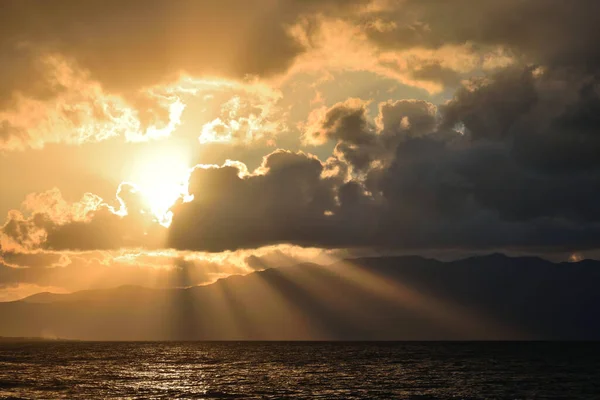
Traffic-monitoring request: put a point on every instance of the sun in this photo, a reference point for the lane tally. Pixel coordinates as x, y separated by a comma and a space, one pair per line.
161, 176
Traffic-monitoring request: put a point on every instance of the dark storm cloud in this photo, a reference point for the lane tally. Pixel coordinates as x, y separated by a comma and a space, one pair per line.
435, 72
553, 32
550, 118
406, 117
347, 124
521, 176
283, 204
492, 109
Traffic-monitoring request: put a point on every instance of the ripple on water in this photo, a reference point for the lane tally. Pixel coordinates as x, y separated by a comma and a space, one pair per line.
299, 370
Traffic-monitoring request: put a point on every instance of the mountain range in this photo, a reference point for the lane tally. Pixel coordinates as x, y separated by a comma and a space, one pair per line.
491, 297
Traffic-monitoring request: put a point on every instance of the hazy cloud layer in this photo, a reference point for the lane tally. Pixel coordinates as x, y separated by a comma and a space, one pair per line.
23, 274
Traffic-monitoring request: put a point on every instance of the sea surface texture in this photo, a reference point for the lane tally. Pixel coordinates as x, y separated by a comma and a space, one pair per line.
279, 370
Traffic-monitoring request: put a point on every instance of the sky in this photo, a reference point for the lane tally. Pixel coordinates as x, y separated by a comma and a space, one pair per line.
170, 144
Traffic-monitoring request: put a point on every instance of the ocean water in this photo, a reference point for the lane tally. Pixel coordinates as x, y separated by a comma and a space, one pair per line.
284, 370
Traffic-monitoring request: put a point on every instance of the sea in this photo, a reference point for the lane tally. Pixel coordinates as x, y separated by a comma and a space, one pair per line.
299, 370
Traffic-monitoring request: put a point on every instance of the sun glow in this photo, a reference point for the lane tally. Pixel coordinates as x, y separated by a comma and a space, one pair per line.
161, 176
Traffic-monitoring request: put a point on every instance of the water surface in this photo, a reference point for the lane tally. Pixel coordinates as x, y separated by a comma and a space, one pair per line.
276, 370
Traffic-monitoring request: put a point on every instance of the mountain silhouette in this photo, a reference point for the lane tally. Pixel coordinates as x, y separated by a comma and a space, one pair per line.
491, 297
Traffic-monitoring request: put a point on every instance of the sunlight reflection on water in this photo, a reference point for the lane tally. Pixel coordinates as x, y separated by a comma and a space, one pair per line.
299, 370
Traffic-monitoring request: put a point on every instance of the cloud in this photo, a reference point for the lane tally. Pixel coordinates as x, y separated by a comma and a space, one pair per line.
72, 110
550, 117
548, 32
423, 184
510, 161
435, 44
282, 201
344, 121
155, 41
32, 259
77, 109
24, 274
360, 140
507, 163
246, 115
89, 72
90, 224
131, 47
344, 44
94, 71
133, 225
82, 111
